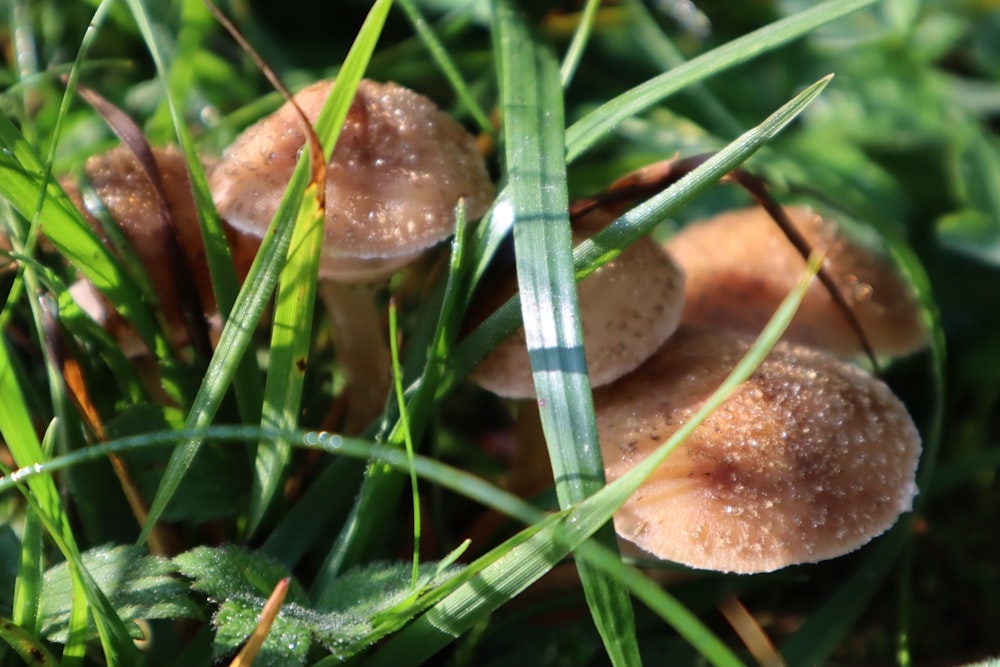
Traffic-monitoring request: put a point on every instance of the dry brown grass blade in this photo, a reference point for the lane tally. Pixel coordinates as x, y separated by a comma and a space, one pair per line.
76, 385
249, 652
651, 179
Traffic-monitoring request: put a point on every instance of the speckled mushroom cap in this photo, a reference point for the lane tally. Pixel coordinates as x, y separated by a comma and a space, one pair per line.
809, 459
396, 174
131, 200
740, 266
628, 307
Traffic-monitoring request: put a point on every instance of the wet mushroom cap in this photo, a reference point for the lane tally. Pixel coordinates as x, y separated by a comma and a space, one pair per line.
398, 170
808, 460
740, 266
628, 307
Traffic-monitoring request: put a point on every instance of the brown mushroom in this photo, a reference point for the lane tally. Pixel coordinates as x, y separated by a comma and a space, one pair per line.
740, 266
398, 170
628, 307
809, 459
162, 229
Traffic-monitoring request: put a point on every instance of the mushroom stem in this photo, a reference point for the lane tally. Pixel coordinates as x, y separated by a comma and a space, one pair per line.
361, 351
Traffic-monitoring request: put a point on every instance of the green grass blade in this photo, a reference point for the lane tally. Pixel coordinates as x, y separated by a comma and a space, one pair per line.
291, 334
532, 109
530, 554
608, 244
18, 432
225, 283
263, 274
588, 130
578, 44
22, 178
27, 645
445, 64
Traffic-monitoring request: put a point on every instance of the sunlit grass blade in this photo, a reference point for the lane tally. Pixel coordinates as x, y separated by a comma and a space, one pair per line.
17, 431
591, 128
220, 264
444, 62
404, 422
22, 176
263, 273
578, 44
291, 335
28, 647
532, 111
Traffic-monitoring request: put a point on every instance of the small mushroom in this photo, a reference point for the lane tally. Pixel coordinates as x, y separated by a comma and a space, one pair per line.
740, 266
397, 172
628, 307
161, 226
808, 460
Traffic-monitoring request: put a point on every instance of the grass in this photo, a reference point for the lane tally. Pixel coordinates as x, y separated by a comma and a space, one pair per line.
241, 462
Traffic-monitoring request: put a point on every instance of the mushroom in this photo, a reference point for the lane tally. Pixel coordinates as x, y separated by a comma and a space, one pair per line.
740, 266
628, 307
160, 224
809, 459
398, 170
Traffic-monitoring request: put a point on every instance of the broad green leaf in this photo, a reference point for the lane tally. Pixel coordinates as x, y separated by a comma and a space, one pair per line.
231, 571
342, 622
138, 586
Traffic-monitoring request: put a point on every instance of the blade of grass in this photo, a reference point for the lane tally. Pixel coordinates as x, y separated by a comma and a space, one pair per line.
225, 283
27, 645
404, 422
18, 432
635, 223
444, 62
263, 273
532, 111
578, 44
291, 334
533, 552
588, 130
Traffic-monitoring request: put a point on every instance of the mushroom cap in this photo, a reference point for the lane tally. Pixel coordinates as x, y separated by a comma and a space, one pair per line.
398, 170
133, 202
809, 459
740, 266
628, 307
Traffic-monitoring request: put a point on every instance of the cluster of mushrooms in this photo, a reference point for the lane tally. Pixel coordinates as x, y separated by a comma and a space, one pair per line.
808, 460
